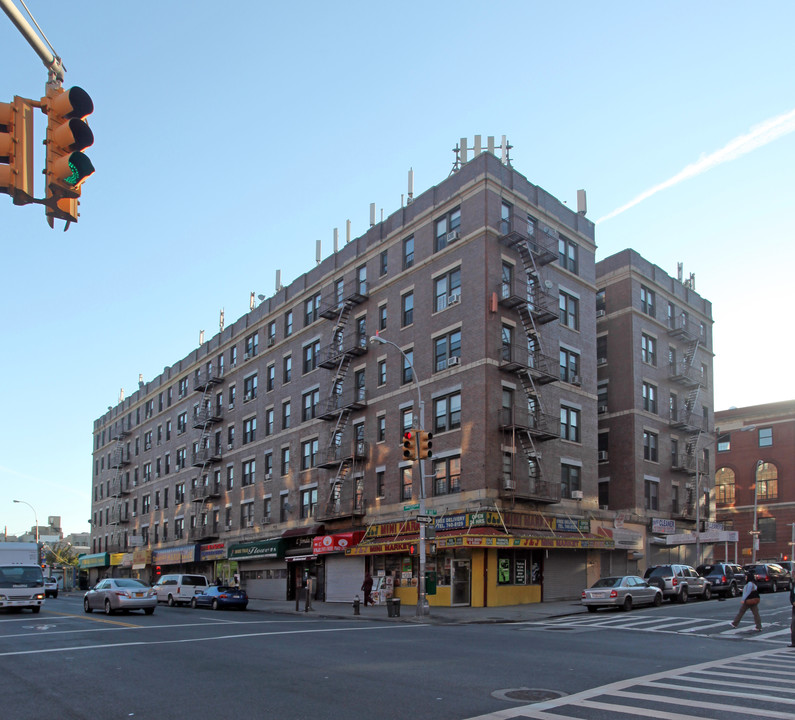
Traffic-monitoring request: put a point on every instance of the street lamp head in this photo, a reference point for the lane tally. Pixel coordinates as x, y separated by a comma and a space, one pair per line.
377, 339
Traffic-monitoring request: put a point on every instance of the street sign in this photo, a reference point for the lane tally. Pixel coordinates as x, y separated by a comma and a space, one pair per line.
425, 519
415, 506
430, 511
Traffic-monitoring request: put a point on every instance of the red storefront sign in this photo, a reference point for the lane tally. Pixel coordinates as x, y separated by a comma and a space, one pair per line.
338, 543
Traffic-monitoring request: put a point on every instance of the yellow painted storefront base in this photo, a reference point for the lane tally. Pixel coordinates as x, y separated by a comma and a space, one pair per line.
483, 576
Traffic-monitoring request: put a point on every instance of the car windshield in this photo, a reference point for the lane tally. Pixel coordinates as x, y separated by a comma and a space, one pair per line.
607, 582
129, 583
16, 576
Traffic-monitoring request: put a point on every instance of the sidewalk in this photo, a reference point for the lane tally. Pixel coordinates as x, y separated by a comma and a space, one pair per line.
436, 616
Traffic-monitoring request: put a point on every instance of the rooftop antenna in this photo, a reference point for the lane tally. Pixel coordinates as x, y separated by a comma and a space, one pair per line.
221, 321
347, 231
490, 144
201, 337
680, 269
457, 163
251, 301
317, 251
278, 280
582, 205
372, 214
336, 239
411, 187
140, 380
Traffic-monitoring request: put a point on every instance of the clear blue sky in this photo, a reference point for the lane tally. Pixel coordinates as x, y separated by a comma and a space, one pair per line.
232, 136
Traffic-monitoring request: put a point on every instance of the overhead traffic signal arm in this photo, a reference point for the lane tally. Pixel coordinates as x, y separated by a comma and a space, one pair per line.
16, 150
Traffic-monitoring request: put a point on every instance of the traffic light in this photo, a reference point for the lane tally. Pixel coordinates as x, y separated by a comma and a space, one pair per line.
424, 445
16, 150
67, 135
409, 445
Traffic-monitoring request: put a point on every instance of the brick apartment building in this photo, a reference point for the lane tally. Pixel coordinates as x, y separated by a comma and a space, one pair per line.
274, 448
756, 448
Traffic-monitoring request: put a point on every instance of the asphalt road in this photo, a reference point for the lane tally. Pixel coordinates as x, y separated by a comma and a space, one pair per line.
63, 664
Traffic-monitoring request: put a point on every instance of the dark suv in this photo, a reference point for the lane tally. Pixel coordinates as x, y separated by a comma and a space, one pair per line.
678, 582
769, 576
725, 579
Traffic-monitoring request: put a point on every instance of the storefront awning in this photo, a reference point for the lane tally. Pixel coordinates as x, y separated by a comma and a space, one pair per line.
174, 555
304, 531
96, 560
263, 549
337, 543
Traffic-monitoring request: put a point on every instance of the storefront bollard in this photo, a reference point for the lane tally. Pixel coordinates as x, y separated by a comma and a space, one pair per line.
356, 604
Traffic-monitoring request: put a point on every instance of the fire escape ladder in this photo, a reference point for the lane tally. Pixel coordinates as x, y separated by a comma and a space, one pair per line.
334, 502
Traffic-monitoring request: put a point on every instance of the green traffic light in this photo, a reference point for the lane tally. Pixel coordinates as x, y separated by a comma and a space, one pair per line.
80, 168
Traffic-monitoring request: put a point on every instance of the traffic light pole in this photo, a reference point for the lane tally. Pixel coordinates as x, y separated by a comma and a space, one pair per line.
423, 608
51, 61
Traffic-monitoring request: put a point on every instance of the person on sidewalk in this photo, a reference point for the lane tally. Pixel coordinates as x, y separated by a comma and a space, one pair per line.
367, 588
750, 600
792, 622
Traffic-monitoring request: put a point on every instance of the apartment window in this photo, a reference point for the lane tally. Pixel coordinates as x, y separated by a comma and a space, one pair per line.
308, 502
182, 392
405, 483
767, 529
268, 465
568, 254
570, 479
309, 454
724, 486
447, 475
445, 349
182, 426
447, 289
287, 369
601, 349
180, 459
309, 403
649, 398
250, 388
379, 483
406, 420
724, 442
249, 472
601, 302
266, 510
179, 528
447, 413
232, 356
247, 515
381, 372
311, 309
408, 360
569, 366
271, 333
650, 445
311, 355
285, 461
269, 422
381, 428
167, 463
407, 309
447, 229
408, 252
230, 436
286, 410
146, 506
284, 507
569, 311
361, 279
651, 493
647, 304
231, 396
765, 437
179, 493
249, 430
383, 264
339, 292
288, 323
252, 345
382, 317
767, 482
230, 477
506, 213
569, 423
648, 349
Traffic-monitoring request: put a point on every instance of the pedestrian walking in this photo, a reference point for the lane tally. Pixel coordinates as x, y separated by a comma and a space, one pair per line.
750, 600
367, 588
792, 622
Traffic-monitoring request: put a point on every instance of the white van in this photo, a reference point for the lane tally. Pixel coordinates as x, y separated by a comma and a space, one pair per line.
178, 589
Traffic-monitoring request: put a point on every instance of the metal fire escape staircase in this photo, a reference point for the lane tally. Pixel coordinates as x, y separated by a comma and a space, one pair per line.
118, 487
343, 454
529, 425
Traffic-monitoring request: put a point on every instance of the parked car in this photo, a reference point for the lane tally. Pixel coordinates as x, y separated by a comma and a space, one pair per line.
50, 587
123, 594
788, 565
623, 591
726, 579
769, 576
220, 596
678, 582
178, 588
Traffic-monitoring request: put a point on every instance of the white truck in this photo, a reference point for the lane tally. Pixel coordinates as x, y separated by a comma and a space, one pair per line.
21, 579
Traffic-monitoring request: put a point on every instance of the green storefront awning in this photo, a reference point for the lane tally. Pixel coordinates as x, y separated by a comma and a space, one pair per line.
96, 560
264, 549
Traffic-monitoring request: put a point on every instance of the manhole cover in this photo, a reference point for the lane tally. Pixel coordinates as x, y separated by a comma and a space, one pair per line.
527, 695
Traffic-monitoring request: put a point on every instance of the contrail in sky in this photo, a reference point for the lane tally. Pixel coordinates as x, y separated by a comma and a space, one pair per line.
762, 134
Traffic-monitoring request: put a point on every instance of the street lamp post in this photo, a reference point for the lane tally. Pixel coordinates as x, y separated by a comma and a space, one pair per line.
35, 516
422, 601
755, 531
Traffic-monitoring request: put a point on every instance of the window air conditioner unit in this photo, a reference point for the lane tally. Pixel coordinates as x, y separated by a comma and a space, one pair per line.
576, 494
271, 340
268, 476
229, 446
508, 484
455, 360
135, 514
603, 507
453, 299
453, 235
601, 409
602, 455
601, 361
250, 522
266, 520
227, 528
247, 356
575, 380
248, 396
231, 406
157, 507
600, 313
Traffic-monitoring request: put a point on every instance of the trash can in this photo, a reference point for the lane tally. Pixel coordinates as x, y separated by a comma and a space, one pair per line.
393, 607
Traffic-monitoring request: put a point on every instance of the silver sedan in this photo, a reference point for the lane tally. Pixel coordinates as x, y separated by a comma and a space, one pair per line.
623, 591
123, 594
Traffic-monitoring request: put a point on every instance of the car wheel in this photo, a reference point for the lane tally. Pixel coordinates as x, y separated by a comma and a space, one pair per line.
171, 602
774, 586
683, 595
149, 611
86, 606
55, 594
627, 605
215, 604
657, 599
592, 608
732, 591
108, 608
707, 593
193, 603
36, 609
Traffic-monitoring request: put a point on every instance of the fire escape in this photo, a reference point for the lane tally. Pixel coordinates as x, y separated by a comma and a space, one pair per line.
206, 418
525, 422
344, 454
688, 417
119, 489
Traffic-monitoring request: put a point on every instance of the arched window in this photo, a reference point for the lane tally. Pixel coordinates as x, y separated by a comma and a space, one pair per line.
724, 486
767, 482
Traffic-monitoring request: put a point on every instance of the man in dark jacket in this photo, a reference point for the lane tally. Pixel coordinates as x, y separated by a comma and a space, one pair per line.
367, 588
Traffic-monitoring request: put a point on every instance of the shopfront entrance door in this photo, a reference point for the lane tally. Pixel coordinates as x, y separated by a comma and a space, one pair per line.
460, 581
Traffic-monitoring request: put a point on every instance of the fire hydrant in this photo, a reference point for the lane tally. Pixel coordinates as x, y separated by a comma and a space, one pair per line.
356, 603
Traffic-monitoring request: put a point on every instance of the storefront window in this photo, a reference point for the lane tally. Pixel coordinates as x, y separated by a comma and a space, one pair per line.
518, 567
